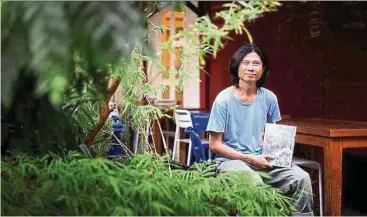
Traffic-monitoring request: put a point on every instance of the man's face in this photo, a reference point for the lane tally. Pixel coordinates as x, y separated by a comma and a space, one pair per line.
250, 68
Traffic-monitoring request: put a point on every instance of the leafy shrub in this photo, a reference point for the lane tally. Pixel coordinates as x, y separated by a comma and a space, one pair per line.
143, 185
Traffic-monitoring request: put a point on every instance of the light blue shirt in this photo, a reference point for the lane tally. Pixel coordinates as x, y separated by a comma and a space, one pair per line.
242, 123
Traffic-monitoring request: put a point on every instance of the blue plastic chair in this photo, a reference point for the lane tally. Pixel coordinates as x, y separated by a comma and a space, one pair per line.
197, 147
184, 119
115, 148
200, 122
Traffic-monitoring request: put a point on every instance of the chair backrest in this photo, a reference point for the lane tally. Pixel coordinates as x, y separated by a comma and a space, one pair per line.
200, 121
183, 118
197, 146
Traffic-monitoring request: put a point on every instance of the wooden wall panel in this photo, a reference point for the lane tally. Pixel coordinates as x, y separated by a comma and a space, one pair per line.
308, 56
346, 100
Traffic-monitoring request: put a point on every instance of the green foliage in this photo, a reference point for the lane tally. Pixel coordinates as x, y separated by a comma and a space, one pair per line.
144, 185
43, 36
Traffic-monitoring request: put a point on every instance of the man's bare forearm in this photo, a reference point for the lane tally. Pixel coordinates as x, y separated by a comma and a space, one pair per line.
225, 151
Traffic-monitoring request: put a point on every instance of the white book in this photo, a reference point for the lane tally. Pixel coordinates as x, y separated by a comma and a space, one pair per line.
279, 143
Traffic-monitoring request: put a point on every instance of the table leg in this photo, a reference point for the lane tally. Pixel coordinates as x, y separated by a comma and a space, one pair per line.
333, 160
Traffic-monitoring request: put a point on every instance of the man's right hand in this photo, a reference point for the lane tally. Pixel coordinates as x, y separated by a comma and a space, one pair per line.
260, 161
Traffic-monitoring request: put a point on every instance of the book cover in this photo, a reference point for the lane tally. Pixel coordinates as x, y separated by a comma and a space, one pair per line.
279, 143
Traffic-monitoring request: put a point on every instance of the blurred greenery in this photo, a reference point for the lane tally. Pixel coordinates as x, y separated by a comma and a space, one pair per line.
145, 185
44, 36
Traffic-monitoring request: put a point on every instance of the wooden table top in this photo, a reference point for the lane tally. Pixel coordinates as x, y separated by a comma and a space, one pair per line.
327, 127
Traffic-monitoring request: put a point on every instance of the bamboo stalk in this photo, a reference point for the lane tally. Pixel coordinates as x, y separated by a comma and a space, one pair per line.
104, 112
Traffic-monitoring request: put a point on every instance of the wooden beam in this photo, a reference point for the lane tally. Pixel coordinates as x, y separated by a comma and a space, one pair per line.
197, 10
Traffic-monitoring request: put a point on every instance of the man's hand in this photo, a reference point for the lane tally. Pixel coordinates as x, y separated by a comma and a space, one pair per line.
260, 161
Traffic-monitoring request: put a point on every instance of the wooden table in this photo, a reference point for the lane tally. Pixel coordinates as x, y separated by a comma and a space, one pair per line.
333, 136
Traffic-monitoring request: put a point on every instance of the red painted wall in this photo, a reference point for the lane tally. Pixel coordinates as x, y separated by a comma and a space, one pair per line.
318, 64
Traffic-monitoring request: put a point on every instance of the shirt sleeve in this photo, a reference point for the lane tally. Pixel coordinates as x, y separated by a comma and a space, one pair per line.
217, 119
273, 112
